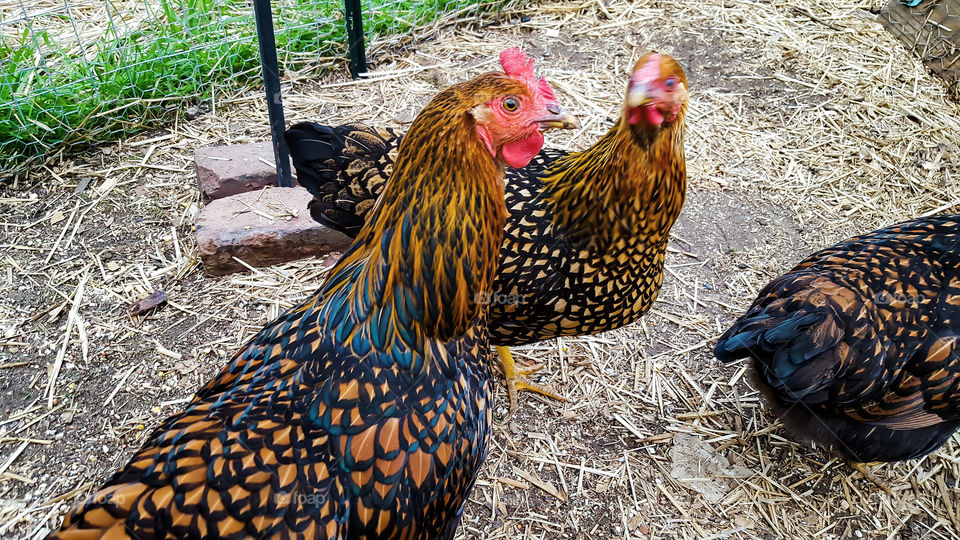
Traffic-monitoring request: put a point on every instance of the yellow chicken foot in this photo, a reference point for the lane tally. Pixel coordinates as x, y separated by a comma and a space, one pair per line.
516, 379
864, 469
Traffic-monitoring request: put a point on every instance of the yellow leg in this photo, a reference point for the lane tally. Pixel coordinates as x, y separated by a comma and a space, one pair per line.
517, 378
864, 469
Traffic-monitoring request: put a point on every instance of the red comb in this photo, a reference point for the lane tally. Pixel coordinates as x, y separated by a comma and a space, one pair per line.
517, 64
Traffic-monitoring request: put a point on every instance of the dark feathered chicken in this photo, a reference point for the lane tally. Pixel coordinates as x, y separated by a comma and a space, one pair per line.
586, 232
364, 411
858, 347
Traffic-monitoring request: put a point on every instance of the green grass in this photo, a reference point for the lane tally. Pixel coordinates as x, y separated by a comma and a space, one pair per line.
51, 98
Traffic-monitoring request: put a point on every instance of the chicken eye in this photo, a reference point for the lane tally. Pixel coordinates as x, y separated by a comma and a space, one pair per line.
511, 104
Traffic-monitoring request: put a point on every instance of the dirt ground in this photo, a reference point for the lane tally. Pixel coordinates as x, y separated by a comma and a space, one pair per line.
807, 124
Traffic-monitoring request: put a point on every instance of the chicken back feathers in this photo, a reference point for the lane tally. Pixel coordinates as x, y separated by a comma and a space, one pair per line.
586, 233
364, 411
858, 346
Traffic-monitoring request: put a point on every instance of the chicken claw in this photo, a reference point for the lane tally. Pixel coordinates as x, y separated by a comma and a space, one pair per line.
516, 379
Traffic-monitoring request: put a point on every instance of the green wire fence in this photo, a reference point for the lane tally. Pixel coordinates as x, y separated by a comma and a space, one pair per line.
81, 72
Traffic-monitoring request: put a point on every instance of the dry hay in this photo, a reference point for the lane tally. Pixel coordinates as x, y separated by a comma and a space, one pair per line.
807, 124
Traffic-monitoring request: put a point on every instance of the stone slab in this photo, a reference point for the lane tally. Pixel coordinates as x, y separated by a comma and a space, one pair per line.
261, 228
237, 168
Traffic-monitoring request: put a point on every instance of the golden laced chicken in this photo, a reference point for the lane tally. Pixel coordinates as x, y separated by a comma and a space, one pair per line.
586, 234
858, 347
364, 411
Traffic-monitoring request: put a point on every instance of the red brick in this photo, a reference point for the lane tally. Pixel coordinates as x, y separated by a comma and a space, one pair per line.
232, 169
261, 228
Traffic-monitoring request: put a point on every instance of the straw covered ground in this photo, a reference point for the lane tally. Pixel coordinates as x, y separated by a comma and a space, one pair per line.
807, 124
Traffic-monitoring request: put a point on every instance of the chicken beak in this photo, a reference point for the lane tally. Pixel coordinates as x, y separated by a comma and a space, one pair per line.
638, 95
557, 119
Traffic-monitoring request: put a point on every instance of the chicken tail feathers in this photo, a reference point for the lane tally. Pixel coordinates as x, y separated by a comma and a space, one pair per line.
782, 348
798, 334
343, 167
766, 332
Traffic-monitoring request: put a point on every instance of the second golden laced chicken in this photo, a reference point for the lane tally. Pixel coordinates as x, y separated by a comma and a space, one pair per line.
858, 347
586, 234
363, 412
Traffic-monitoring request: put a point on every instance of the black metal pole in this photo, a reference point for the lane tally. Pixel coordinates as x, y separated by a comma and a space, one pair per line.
358, 56
271, 84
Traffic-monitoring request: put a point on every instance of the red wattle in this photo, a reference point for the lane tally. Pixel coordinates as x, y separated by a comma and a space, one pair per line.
518, 154
654, 116
648, 114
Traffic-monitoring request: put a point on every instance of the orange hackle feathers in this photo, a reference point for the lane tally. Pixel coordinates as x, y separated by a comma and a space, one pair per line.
428, 266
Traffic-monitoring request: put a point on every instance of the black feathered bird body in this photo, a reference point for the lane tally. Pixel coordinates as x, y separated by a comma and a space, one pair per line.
858, 346
297, 438
586, 238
